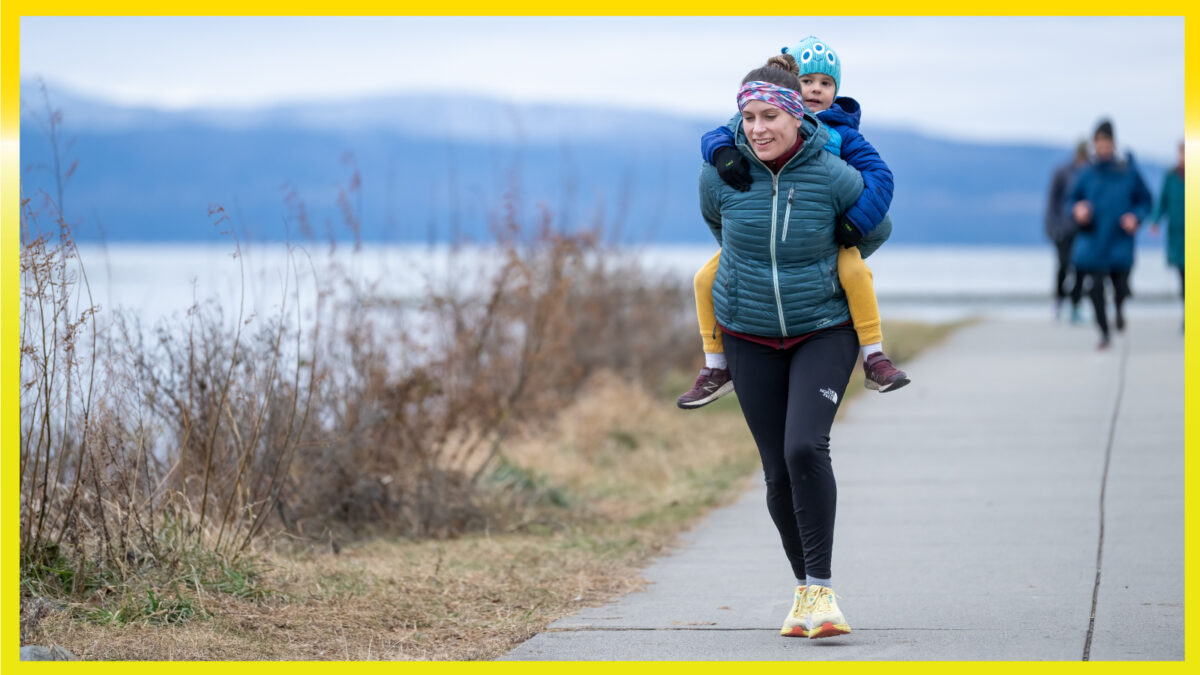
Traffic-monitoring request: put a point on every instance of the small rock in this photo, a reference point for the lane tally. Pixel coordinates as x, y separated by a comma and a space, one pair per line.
55, 653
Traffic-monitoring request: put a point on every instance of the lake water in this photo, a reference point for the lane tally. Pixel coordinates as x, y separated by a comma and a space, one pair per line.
158, 281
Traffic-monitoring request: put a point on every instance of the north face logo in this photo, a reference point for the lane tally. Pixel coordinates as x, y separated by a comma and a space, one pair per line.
830, 394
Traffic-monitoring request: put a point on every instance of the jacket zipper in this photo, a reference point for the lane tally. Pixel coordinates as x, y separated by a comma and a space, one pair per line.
787, 214
774, 218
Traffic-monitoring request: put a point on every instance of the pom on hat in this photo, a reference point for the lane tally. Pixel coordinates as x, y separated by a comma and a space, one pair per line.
814, 56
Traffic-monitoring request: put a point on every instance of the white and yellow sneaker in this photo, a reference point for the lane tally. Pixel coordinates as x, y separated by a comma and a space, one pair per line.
823, 617
795, 625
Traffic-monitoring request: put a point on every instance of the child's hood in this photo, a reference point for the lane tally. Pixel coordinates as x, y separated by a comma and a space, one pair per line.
845, 112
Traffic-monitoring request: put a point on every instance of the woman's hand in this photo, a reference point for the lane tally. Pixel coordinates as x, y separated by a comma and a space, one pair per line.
1129, 223
1082, 211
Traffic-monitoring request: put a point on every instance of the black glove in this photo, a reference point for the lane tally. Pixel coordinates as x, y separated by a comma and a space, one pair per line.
733, 168
847, 234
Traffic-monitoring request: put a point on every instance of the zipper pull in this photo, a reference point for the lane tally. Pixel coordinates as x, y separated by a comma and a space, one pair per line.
791, 191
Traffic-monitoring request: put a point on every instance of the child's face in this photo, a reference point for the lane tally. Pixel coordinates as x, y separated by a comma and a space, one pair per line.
817, 90
770, 130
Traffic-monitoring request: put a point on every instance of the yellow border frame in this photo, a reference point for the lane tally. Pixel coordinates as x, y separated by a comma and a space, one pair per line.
13, 10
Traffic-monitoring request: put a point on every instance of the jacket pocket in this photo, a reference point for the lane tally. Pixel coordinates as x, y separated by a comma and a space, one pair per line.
835, 284
787, 213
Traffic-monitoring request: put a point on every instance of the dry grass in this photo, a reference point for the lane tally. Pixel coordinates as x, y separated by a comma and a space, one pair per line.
619, 474
633, 475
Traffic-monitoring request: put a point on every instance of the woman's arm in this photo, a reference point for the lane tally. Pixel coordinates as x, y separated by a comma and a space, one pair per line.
710, 202
875, 239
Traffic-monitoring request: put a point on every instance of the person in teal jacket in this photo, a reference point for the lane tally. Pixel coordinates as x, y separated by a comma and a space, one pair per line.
788, 336
1170, 204
1107, 201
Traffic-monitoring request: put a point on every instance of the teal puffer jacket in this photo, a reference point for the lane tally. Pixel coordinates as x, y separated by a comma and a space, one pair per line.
777, 275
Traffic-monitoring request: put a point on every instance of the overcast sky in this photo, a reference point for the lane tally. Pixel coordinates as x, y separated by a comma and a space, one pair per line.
1044, 79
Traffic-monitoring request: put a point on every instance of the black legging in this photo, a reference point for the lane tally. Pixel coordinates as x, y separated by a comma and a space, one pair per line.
1063, 247
1120, 282
789, 398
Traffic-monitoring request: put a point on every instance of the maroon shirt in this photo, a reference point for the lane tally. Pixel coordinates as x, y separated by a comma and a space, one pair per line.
779, 342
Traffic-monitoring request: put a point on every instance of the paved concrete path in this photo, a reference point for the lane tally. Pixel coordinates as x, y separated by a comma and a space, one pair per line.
971, 509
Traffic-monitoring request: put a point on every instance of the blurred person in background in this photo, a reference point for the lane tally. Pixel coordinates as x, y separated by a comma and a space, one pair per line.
1108, 201
788, 334
1170, 204
1060, 228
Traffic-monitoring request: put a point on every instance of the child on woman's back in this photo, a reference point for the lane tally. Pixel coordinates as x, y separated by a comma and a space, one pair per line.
819, 70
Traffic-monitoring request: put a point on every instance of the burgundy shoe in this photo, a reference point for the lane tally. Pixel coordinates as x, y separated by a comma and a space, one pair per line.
882, 375
711, 384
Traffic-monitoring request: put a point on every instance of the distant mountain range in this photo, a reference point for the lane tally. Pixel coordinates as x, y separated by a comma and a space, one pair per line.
432, 168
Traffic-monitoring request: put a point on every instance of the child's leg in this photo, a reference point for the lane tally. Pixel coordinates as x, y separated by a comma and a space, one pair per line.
714, 379
859, 285
707, 316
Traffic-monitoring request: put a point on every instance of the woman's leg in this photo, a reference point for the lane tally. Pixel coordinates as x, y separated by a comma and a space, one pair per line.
859, 285
761, 375
707, 316
818, 373
1120, 282
1097, 293
1063, 247
1077, 291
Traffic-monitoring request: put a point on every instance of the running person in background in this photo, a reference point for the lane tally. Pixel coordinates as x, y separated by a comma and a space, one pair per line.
1107, 201
788, 335
1060, 228
819, 70
1170, 204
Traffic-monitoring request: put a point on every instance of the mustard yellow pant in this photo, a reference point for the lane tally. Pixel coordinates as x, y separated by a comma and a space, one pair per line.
853, 273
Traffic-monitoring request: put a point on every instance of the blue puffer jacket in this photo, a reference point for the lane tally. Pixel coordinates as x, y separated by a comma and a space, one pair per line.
846, 142
777, 275
1114, 188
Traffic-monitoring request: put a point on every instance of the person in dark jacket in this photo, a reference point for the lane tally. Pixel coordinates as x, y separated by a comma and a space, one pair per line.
819, 70
787, 331
1060, 228
1170, 204
1108, 201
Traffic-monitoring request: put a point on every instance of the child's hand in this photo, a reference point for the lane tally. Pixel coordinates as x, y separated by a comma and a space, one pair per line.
847, 234
733, 168
1082, 211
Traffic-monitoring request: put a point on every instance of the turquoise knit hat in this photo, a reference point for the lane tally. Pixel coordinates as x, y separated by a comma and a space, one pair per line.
814, 56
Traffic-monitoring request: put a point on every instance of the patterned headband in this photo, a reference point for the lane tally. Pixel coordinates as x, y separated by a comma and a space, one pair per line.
787, 100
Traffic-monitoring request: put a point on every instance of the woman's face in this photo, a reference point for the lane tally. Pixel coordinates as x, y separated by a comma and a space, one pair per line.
771, 131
